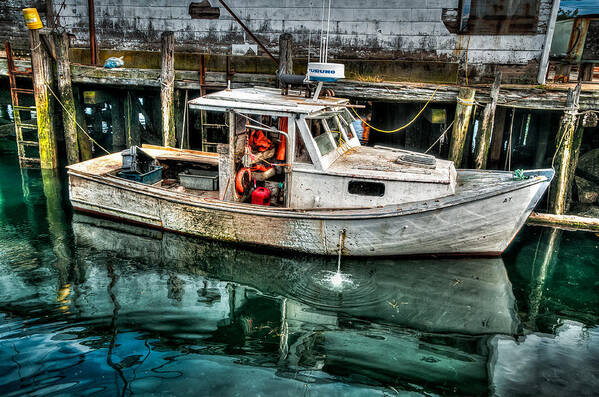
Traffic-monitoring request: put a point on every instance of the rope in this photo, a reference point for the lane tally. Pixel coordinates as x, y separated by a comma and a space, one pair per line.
74, 119
466, 102
402, 127
567, 135
36, 47
440, 137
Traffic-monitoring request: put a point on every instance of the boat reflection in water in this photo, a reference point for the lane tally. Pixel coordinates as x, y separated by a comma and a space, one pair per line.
406, 323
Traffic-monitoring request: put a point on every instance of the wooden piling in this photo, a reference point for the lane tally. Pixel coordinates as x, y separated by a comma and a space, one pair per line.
463, 111
498, 131
542, 141
85, 144
181, 118
485, 133
167, 89
566, 155
42, 75
132, 131
118, 127
65, 89
285, 55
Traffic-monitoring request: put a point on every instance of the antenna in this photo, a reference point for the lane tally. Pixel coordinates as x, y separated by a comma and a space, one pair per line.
326, 50
322, 71
309, 45
322, 38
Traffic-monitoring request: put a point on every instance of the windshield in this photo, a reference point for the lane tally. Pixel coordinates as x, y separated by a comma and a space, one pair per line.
330, 131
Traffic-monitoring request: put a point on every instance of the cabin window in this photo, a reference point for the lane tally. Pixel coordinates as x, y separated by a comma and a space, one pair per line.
346, 120
301, 153
364, 188
321, 136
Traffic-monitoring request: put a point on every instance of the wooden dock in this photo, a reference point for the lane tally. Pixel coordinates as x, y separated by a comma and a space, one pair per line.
546, 97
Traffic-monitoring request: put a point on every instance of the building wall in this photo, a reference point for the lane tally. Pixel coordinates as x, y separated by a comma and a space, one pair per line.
12, 23
407, 30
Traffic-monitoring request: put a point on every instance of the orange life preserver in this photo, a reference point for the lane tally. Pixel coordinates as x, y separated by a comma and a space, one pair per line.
366, 133
243, 180
258, 141
280, 155
260, 167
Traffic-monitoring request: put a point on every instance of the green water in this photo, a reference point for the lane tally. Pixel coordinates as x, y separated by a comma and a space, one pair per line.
93, 307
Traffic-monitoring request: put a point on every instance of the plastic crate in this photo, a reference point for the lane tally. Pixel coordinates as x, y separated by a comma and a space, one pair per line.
199, 179
148, 178
136, 160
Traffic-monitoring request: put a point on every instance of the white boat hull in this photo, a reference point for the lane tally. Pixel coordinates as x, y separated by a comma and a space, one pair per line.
481, 222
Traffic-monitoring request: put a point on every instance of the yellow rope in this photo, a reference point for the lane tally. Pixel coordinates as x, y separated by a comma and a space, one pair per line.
402, 127
74, 119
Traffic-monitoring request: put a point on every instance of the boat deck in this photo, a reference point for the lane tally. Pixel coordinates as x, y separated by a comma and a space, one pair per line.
173, 186
471, 185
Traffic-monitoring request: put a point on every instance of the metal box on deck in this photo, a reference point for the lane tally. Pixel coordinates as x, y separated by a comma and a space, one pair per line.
199, 179
136, 160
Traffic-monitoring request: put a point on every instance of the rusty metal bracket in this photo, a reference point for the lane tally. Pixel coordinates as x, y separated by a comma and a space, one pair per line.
236, 18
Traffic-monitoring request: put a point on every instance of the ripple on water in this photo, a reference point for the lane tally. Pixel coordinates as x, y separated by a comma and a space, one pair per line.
352, 288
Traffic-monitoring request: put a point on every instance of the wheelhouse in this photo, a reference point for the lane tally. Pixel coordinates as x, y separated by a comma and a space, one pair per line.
308, 153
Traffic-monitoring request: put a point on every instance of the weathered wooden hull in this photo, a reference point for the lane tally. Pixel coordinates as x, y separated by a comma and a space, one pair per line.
480, 221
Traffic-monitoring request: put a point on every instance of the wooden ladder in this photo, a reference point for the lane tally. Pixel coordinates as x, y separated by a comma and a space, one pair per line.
24, 158
208, 146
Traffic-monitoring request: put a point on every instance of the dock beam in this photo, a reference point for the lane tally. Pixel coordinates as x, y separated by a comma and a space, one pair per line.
483, 138
65, 89
42, 75
167, 89
568, 141
461, 122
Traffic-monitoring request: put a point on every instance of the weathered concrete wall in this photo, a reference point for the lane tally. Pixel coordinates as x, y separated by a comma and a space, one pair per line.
12, 23
407, 30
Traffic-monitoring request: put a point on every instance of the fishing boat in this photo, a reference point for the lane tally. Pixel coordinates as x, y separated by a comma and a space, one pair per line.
291, 174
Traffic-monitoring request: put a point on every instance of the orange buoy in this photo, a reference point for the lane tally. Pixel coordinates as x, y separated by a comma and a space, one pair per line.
243, 180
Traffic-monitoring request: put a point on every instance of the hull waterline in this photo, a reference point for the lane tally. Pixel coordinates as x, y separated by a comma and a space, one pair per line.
482, 222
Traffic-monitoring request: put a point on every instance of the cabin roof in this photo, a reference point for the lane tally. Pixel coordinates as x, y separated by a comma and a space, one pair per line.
264, 99
380, 163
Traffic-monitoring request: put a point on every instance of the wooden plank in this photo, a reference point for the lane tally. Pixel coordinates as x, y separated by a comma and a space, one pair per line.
546, 97
171, 149
565, 221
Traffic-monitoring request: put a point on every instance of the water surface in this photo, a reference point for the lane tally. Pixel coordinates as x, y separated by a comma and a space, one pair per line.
93, 307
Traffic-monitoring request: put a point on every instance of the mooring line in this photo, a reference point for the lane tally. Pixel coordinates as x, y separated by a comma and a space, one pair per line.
75, 120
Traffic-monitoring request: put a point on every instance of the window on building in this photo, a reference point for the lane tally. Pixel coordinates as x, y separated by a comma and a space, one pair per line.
498, 16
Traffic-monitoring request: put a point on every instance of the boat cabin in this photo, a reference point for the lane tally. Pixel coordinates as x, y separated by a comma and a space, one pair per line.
289, 151
307, 155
